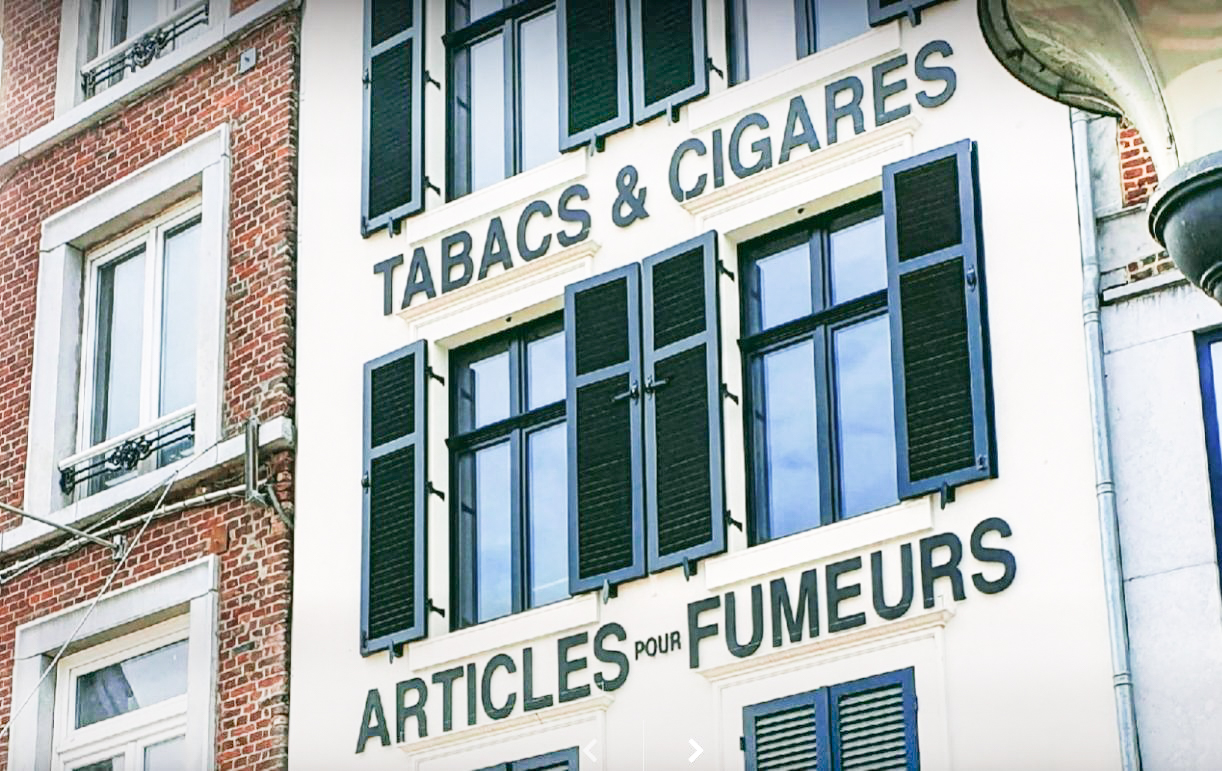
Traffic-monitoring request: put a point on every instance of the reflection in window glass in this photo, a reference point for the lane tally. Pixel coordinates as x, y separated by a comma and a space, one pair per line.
487, 112
784, 286
865, 419
545, 371
547, 494
771, 35
165, 756
120, 337
178, 311
859, 260
791, 476
138, 682
489, 389
837, 20
493, 533
540, 92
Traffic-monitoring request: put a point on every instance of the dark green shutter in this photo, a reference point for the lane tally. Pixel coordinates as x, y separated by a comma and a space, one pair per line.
685, 500
393, 574
939, 340
603, 341
593, 61
668, 55
786, 734
873, 723
392, 166
882, 11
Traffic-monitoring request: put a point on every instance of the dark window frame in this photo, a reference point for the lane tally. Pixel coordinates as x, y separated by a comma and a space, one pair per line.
1213, 432
463, 444
817, 327
460, 38
806, 34
548, 760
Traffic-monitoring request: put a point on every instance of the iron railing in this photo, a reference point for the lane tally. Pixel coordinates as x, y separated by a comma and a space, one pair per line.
140, 50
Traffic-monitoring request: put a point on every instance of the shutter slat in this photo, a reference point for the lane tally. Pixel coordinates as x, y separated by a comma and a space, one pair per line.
783, 735
394, 532
873, 723
669, 53
683, 416
944, 424
593, 62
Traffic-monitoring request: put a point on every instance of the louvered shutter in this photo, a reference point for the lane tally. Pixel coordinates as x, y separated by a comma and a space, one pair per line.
393, 571
593, 46
668, 55
564, 760
882, 11
788, 734
392, 166
873, 724
603, 355
939, 341
685, 500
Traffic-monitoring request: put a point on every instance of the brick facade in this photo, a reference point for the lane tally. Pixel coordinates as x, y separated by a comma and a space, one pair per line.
1137, 176
254, 545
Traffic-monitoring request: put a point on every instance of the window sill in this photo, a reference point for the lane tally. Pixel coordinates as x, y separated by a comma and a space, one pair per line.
852, 535
94, 110
574, 613
803, 75
1164, 280
275, 435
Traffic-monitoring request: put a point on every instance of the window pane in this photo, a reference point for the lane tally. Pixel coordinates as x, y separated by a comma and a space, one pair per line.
488, 384
784, 286
178, 344
547, 501
493, 533
836, 21
790, 477
545, 371
771, 35
110, 764
165, 756
540, 129
138, 682
864, 416
132, 17
487, 112
859, 260
1215, 358
463, 12
120, 338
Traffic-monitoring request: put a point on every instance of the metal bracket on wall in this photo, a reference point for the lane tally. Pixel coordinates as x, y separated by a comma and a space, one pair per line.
721, 268
607, 592
434, 491
945, 495
726, 393
251, 464
432, 375
673, 112
116, 545
711, 67
689, 568
432, 608
395, 650
732, 522
430, 80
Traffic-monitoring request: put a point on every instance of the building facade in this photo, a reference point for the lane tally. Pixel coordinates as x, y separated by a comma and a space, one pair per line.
690, 385
147, 249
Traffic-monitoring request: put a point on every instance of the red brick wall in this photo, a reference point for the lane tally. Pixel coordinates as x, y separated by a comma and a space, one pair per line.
31, 50
1137, 176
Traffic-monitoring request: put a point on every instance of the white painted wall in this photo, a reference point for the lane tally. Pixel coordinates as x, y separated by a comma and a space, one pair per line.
1019, 679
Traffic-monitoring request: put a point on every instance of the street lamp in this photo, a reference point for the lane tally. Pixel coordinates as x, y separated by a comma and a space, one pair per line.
1157, 63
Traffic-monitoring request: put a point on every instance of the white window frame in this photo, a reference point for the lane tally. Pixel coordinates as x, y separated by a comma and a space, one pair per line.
125, 735
178, 603
199, 168
152, 236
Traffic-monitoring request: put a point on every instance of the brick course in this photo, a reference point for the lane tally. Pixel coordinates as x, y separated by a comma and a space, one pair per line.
1137, 176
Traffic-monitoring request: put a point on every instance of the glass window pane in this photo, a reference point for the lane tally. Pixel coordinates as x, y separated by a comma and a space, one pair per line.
784, 286
493, 533
540, 129
836, 21
790, 477
463, 12
132, 17
120, 338
771, 35
545, 371
859, 260
138, 682
166, 755
1215, 358
865, 416
110, 764
178, 291
487, 112
488, 391
547, 502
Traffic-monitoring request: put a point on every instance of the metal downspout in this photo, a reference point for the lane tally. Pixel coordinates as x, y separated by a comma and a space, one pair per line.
1105, 490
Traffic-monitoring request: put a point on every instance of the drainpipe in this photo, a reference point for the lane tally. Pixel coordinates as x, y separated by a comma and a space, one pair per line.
1105, 488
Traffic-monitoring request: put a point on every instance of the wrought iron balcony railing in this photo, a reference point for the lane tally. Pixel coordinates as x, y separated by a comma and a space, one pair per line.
125, 453
140, 50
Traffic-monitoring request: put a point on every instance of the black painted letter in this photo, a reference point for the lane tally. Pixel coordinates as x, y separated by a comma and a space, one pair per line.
387, 269
373, 722
676, 189
837, 594
578, 216
610, 656
419, 278
757, 623
499, 661
451, 259
935, 74
851, 109
798, 115
403, 712
533, 208
567, 666
989, 554
948, 569
885, 611
808, 608
882, 90
696, 632
496, 248
762, 146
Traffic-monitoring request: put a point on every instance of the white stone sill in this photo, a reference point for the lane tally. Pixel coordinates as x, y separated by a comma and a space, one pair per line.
92, 111
275, 435
1164, 280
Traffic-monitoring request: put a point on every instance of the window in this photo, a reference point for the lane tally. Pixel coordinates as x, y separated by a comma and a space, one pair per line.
563, 760
118, 36
504, 97
140, 337
510, 473
817, 360
869, 723
122, 705
1209, 359
764, 35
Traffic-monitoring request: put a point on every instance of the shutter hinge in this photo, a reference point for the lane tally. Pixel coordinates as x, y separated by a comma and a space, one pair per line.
607, 592
971, 278
726, 394
721, 268
689, 568
945, 495
431, 490
674, 114
365, 484
429, 79
742, 743
597, 145
395, 226
428, 183
432, 374
395, 651
711, 67
732, 522
365, 77
432, 608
